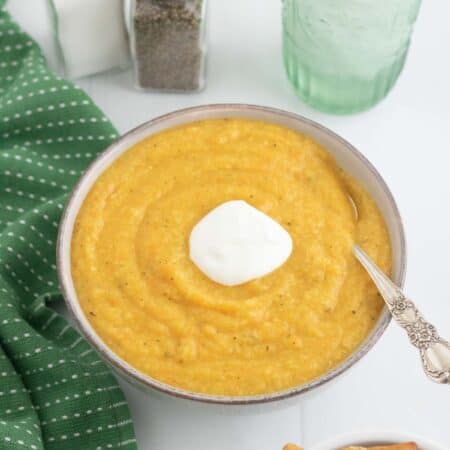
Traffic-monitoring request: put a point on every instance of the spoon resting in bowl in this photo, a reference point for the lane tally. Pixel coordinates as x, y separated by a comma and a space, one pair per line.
434, 351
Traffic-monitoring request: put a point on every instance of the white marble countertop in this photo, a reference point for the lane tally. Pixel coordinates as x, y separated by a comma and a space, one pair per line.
406, 137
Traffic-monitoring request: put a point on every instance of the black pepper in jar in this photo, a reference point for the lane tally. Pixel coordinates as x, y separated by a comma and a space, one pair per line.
167, 44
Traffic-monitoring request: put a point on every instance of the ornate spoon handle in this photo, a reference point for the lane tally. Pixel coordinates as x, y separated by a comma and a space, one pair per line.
434, 351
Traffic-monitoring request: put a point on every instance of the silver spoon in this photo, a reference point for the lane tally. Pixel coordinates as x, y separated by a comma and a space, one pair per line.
434, 351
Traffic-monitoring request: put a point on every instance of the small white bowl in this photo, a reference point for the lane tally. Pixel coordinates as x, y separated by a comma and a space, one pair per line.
372, 438
346, 156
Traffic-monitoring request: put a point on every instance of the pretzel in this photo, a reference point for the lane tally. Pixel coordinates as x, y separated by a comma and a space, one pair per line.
292, 447
405, 446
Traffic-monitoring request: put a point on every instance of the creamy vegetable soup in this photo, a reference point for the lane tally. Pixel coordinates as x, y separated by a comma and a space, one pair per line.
153, 306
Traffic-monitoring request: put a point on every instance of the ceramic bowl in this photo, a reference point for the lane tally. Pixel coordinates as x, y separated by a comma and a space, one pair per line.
347, 157
376, 438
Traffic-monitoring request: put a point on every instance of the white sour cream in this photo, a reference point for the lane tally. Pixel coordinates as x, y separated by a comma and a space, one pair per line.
235, 243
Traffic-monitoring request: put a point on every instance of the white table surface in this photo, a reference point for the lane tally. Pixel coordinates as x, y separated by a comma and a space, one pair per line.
406, 137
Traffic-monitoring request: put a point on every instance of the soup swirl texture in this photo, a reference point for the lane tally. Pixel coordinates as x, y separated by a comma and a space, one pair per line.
154, 308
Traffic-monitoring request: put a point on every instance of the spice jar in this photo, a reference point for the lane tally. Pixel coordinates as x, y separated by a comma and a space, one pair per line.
167, 43
103, 43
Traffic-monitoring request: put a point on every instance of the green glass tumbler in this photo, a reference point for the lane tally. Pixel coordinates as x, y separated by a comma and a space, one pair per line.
344, 56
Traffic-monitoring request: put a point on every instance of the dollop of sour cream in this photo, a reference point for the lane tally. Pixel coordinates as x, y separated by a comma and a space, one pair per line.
235, 243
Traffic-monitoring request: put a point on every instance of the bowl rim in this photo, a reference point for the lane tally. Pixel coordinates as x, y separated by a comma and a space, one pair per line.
376, 438
145, 381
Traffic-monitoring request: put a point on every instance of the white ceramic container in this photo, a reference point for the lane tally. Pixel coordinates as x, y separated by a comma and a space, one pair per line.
350, 159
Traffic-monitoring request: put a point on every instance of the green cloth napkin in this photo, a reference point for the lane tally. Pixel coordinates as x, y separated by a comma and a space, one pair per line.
55, 393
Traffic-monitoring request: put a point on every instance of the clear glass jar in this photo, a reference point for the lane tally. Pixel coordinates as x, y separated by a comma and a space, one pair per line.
167, 40
343, 56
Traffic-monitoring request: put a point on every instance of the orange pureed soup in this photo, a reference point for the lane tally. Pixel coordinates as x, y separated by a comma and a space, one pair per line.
154, 308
